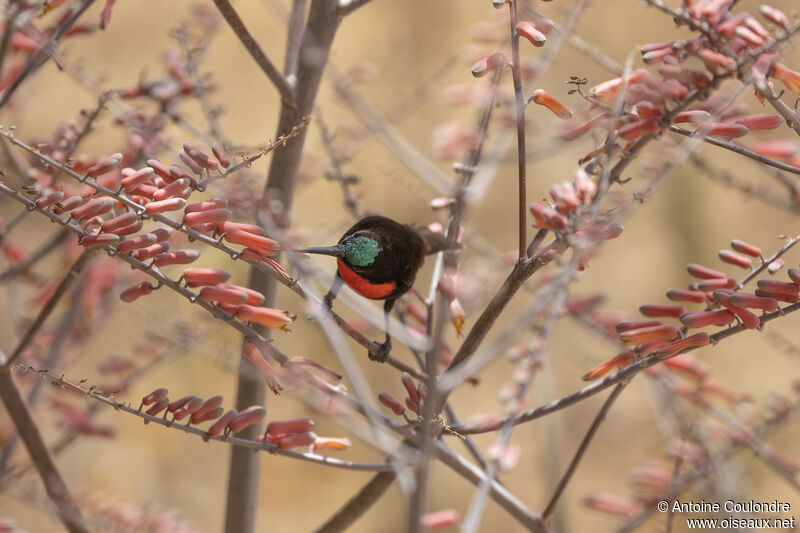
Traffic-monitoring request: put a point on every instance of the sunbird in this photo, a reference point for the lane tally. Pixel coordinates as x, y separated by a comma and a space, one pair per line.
379, 259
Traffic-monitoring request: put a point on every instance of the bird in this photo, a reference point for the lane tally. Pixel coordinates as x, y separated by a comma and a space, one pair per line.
379, 259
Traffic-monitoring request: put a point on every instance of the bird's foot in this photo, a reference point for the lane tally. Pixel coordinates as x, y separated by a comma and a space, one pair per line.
382, 352
328, 301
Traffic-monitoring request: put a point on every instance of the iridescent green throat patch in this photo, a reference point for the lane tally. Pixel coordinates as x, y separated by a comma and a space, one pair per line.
361, 251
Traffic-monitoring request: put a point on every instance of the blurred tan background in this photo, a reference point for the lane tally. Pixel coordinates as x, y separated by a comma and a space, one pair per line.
687, 220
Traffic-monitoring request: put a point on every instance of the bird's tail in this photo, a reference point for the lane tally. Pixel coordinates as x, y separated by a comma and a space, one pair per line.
435, 242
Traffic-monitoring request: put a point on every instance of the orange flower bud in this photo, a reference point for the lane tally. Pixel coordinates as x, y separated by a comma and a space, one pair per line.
750, 37
212, 216
92, 208
172, 190
776, 16
207, 205
49, 199
178, 257
389, 401
488, 64
761, 122
701, 272
136, 179
198, 277
683, 295
580, 130
694, 341
133, 293
529, 31
439, 519
750, 320
542, 98
249, 228
253, 297
271, 318
229, 296
794, 274
715, 60
733, 131
777, 149
752, 301
696, 116
778, 287
641, 335
222, 156
160, 168
208, 415
254, 355
660, 310
148, 252
154, 396
219, 426
97, 241
775, 266
140, 241
262, 245
607, 91
331, 443
297, 425
121, 221
627, 325
732, 258
170, 204
157, 407
107, 165
207, 407
248, 417
188, 408
640, 128
297, 440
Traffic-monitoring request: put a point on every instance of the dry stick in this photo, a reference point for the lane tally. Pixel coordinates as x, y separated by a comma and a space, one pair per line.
759, 191
359, 504
68, 510
214, 126
703, 469
348, 6
320, 29
532, 521
250, 44
293, 39
349, 200
41, 55
60, 336
519, 104
49, 246
9, 30
205, 239
741, 150
238, 441
69, 278
617, 377
573, 465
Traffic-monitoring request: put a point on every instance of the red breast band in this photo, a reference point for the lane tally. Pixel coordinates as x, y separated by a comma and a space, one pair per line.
373, 291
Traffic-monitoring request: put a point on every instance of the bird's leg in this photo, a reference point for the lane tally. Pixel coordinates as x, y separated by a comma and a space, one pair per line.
386, 347
334, 290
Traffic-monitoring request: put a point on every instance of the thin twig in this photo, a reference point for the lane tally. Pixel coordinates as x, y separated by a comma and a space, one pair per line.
39, 58
359, 504
240, 30
68, 510
48, 308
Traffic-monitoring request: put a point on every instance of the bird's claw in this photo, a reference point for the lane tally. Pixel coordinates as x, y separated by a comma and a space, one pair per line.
382, 352
328, 301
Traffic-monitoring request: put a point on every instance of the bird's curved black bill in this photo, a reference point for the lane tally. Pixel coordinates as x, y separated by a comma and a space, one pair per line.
335, 251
